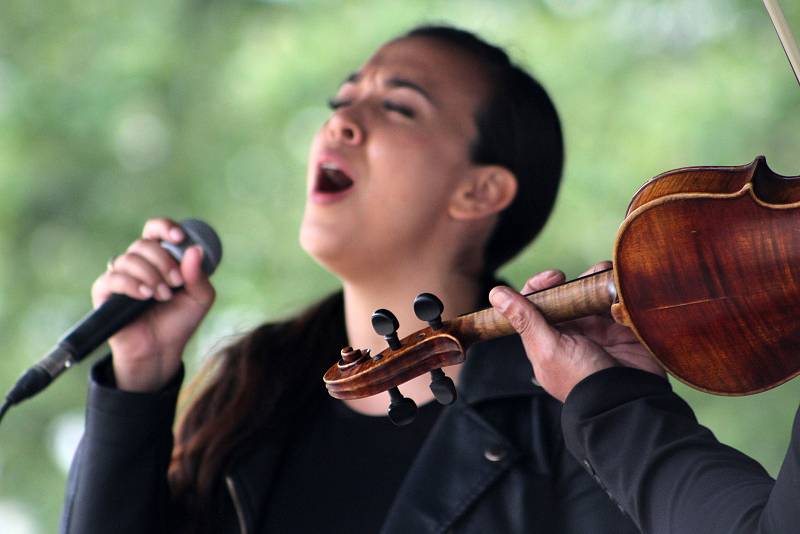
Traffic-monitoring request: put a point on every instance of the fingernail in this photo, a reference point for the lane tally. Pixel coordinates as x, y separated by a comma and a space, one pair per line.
500, 298
163, 292
145, 291
551, 273
175, 278
199, 249
176, 234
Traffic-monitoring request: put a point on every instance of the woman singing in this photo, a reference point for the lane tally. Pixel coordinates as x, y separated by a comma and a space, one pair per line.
440, 161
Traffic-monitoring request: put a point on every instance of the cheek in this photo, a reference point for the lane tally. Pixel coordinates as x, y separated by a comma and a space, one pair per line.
416, 168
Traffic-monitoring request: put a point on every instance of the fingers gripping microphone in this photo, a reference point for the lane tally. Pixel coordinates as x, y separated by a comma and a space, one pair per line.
108, 318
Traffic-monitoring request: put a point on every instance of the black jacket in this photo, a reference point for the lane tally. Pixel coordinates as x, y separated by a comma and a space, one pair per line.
644, 445
495, 461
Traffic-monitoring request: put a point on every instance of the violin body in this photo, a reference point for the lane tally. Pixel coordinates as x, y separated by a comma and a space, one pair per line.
707, 269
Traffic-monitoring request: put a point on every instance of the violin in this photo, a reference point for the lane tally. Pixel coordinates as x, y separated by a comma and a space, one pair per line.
706, 274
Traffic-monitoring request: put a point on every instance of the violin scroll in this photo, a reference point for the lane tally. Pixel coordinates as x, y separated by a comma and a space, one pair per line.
359, 374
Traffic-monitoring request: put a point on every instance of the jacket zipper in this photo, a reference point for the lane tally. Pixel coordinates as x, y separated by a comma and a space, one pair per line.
237, 505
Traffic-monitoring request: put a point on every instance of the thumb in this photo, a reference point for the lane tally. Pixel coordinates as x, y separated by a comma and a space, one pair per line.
197, 285
537, 335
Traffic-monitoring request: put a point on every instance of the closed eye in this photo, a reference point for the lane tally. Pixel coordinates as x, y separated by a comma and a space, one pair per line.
394, 106
335, 104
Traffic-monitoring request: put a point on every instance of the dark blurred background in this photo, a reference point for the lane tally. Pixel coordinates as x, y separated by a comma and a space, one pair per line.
112, 112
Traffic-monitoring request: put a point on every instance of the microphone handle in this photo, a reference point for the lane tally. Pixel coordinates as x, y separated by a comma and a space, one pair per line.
101, 323
83, 338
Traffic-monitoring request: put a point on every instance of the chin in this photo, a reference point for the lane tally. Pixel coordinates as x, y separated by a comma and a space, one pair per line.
325, 248
340, 255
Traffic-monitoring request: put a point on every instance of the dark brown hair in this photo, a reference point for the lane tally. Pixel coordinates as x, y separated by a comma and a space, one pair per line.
518, 128
257, 387
261, 383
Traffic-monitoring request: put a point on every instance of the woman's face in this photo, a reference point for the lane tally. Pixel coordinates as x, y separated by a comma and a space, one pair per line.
384, 166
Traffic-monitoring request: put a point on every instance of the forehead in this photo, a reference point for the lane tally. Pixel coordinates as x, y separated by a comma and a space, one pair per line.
451, 77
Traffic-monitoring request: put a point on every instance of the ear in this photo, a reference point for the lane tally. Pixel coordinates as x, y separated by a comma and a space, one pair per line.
486, 191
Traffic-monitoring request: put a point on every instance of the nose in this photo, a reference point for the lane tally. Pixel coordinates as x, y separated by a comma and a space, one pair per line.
344, 128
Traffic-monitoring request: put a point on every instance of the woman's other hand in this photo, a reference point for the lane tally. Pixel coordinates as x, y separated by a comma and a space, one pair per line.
565, 354
148, 351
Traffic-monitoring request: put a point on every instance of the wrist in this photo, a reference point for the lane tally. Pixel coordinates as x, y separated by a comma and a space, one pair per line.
580, 375
142, 376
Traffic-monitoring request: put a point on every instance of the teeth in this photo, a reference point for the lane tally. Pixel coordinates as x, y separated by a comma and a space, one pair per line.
329, 166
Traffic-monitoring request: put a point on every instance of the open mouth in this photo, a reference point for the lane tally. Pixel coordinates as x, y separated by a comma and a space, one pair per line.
332, 179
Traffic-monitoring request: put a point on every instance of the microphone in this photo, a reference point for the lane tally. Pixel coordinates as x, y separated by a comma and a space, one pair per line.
108, 318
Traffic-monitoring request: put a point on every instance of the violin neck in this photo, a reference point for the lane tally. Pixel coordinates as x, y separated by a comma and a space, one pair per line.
589, 295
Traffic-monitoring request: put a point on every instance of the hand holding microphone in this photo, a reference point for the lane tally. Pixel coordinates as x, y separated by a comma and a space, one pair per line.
147, 352
169, 266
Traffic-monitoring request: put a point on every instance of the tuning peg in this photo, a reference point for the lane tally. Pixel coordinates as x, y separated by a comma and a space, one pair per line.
428, 307
402, 410
385, 323
444, 391
350, 355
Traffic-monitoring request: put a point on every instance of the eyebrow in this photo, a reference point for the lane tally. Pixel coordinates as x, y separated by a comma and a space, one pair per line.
396, 83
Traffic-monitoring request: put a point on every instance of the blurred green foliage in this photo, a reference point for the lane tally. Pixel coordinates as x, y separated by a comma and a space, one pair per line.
112, 112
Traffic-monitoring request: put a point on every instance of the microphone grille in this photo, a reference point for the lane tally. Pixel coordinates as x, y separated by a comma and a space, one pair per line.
202, 234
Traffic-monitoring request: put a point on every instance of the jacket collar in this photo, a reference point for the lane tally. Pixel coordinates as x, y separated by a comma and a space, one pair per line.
464, 454
462, 457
